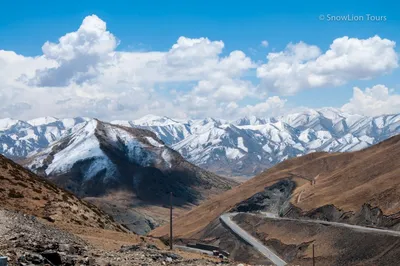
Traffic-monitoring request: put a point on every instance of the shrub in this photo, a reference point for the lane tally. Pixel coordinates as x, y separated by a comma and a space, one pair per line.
12, 193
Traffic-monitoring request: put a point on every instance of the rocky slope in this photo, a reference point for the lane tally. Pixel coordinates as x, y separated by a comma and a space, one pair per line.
26, 240
41, 224
99, 159
23, 191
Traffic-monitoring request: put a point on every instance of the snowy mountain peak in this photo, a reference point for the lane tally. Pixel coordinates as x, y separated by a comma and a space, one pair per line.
6, 123
244, 147
250, 120
153, 120
99, 157
42, 121
18, 138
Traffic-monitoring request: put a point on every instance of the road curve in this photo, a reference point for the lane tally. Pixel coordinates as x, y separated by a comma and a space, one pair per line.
226, 219
350, 226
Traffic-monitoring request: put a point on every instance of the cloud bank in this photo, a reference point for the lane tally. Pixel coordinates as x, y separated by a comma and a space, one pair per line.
84, 74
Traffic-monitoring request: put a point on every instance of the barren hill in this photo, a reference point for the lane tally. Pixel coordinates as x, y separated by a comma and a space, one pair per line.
360, 183
41, 224
23, 191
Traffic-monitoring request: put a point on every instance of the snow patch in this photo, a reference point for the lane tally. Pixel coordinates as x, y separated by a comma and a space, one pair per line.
241, 144
154, 142
233, 154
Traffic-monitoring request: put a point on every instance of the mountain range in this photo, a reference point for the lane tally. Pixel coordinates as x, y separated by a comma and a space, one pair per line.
241, 148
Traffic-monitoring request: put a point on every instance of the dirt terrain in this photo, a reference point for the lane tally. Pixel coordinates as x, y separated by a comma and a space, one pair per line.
139, 217
42, 224
345, 180
26, 240
339, 246
21, 190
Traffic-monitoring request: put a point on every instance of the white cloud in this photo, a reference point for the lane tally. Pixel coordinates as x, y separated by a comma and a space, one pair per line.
301, 66
78, 54
374, 101
264, 43
83, 74
272, 106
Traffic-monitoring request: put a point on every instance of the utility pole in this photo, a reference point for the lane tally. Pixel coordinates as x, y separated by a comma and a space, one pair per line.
170, 222
313, 255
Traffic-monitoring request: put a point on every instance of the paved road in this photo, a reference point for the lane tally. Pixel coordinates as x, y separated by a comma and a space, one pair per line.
226, 219
353, 227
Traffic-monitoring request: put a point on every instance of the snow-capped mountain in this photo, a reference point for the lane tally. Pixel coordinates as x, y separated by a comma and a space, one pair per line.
118, 168
19, 138
237, 148
169, 130
99, 157
249, 145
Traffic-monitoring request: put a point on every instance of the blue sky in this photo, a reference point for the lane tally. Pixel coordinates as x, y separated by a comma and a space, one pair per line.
156, 25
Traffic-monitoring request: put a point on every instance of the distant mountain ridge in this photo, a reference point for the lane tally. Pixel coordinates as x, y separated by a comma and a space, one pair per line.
19, 139
247, 146
244, 147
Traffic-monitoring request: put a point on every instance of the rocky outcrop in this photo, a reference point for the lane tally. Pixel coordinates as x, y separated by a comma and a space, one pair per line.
274, 199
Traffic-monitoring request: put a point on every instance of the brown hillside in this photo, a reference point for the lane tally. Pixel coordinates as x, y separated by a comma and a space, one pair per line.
23, 191
346, 180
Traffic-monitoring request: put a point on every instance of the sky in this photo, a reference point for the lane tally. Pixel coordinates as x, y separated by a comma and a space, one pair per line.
192, 59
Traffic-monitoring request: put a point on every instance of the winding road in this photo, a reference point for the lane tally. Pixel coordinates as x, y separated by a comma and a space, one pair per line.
350, 226
226, 219
268, 253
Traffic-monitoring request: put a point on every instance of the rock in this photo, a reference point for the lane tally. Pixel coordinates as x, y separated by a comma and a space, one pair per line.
173, 256
151, 246
129, 248
70, 260
53, 257
66, 248
31, 258
89, 261
50, 219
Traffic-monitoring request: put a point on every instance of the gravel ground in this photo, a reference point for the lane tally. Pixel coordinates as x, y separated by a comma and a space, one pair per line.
27, 241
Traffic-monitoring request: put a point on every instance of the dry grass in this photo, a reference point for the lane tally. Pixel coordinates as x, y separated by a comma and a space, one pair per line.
346, 180
23, 191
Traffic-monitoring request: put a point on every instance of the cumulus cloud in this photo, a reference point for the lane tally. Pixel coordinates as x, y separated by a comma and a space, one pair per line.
374, 101
301, 66
272, 106
78, 54
84, 74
